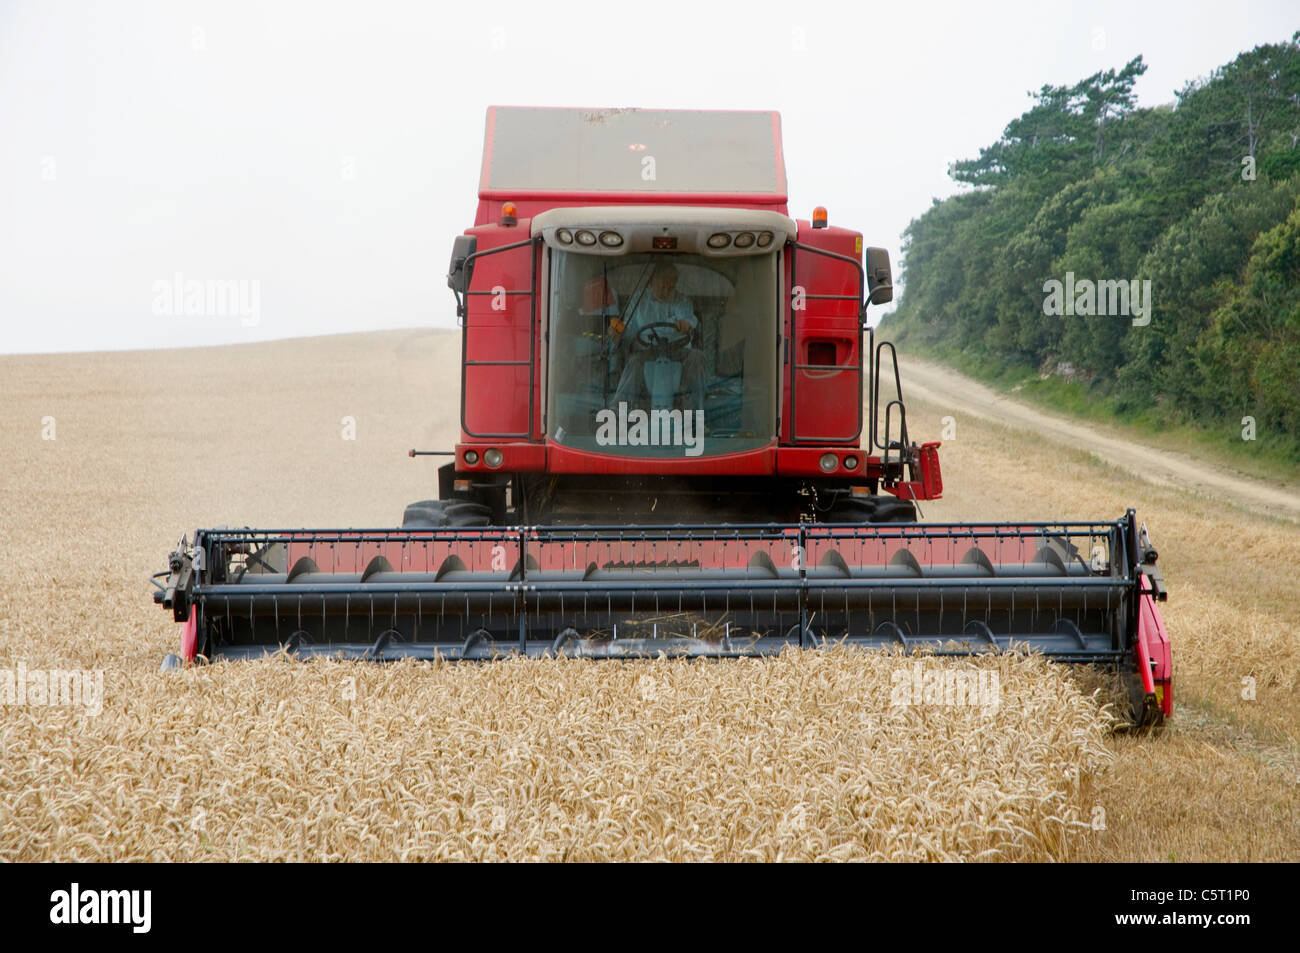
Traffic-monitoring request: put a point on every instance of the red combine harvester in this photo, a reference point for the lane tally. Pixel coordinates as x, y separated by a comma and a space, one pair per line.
664, 448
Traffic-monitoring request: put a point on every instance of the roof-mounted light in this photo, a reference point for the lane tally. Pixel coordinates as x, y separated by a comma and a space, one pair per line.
509, 216
819, 217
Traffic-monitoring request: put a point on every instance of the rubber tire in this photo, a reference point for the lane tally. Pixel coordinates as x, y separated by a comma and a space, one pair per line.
874, 509
891, 509
464, 513
426, 514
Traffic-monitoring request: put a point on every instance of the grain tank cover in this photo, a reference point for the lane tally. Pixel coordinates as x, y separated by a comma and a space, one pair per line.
534, 152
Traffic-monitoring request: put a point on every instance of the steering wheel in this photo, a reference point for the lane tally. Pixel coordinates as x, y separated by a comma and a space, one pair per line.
646, 343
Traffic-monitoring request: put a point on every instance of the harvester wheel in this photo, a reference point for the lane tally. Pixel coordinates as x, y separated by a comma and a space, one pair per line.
424, 515
467, 514
874, 509
893, 510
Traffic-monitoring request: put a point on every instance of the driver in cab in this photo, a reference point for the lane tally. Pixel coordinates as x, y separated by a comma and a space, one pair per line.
662, 321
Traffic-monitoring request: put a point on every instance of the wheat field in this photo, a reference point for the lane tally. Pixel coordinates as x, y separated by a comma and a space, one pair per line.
800, 757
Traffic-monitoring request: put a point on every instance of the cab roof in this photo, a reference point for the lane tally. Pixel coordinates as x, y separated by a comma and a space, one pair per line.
538, 152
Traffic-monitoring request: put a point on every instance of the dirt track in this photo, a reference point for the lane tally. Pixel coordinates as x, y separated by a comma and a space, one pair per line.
944, 387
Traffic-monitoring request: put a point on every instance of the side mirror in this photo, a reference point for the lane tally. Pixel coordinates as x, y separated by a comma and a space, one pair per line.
462, 267
880, 284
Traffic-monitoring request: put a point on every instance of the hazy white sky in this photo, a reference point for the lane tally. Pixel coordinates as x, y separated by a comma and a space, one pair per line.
329, 152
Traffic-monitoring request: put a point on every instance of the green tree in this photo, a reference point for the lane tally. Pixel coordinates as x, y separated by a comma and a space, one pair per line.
1084, 182
1193, 268
1068, 129
1251, 353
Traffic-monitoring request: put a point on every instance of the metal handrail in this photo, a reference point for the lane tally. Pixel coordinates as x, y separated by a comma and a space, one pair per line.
875, 395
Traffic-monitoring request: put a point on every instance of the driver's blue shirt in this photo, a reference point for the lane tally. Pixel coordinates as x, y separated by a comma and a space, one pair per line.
650, 311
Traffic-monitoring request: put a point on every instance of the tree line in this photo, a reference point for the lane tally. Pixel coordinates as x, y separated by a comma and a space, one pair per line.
1196, 202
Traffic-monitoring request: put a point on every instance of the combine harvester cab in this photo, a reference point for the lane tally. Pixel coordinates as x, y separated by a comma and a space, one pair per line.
678, 436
